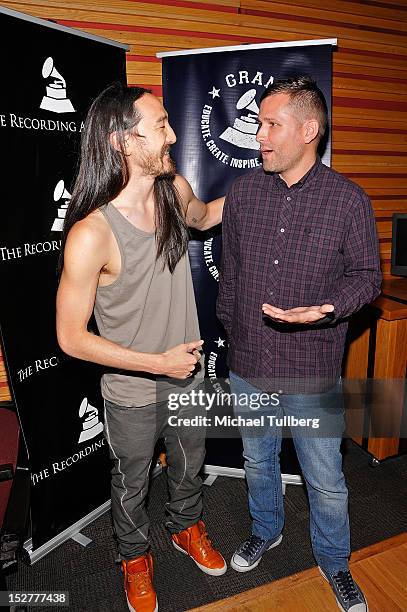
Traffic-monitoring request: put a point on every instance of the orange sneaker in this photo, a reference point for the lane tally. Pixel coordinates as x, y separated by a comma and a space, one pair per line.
138, 585
194, 542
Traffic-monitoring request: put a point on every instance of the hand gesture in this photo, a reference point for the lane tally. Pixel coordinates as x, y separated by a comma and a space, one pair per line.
302, 314
180, 361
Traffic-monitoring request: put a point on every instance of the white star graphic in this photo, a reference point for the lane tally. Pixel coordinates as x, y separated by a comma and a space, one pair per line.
214, 93
220, 342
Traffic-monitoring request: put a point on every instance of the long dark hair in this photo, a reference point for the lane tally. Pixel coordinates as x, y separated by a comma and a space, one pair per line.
103, 173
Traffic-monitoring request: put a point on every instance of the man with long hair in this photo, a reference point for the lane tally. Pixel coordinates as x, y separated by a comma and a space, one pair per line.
124, 257
300, 255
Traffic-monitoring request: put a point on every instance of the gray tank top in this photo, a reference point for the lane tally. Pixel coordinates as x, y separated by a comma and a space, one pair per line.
146, 309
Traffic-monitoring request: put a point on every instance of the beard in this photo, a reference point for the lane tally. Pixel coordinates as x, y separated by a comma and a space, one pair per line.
157, 165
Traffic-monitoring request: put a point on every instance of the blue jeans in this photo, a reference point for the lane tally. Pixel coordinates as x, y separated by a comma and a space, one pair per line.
318, 452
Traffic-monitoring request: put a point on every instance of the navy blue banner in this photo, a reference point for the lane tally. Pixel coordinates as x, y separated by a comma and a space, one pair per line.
45, 97
212, 99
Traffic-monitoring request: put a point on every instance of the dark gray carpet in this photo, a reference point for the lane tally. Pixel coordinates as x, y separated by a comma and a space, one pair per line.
377, 511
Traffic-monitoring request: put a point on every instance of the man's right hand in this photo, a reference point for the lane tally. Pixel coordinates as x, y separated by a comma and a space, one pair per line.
301, 314
180, 361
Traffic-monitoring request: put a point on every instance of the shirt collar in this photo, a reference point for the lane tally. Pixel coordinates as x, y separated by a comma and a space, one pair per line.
307, 176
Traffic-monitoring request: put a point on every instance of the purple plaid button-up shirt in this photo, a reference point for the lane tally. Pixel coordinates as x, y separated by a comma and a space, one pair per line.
311, 244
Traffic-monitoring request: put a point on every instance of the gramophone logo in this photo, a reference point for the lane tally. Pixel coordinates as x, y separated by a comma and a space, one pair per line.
234, 144
63, 196
91, 426
244, 130
56, 99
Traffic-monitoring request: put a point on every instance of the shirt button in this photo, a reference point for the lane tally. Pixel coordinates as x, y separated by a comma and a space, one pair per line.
276, 261
270, 292
282, 230
288, 199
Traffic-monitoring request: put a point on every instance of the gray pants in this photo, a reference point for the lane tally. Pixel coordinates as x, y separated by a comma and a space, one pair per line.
132, 434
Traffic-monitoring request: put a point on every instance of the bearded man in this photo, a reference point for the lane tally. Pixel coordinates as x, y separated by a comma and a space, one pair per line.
125, 258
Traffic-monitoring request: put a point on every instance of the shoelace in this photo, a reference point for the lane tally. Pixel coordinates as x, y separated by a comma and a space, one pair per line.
205, 543
346, 586
142, 581
252, 545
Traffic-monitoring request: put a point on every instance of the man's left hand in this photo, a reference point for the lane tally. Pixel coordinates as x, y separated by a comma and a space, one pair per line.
302, 314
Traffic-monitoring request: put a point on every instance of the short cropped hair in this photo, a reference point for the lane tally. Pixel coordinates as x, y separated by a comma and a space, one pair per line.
306, 99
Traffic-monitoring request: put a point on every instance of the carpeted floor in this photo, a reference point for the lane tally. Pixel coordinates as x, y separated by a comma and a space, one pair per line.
377, 511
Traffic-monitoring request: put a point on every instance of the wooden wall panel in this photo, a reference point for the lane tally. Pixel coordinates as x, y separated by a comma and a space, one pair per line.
5, 395
369, 124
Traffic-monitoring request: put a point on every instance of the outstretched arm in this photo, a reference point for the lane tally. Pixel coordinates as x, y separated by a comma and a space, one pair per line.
198, 215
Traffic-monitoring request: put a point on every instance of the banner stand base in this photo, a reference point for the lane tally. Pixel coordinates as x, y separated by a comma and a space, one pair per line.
73, 532
214, 471
59, 539
81, 539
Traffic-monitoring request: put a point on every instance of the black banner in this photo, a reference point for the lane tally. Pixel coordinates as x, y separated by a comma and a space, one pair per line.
50, 76
212, 98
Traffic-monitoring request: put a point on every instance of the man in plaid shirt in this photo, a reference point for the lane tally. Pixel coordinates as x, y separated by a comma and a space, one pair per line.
300, 255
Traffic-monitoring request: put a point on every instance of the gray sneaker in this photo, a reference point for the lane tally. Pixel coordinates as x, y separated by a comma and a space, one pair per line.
249, 554
349, 596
